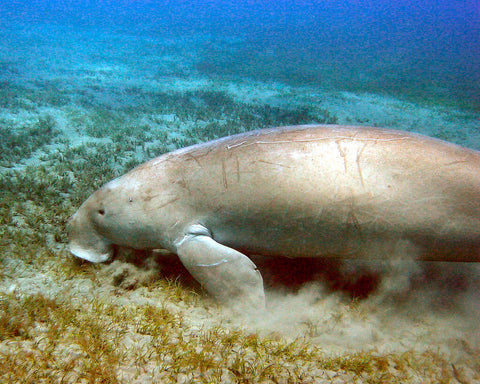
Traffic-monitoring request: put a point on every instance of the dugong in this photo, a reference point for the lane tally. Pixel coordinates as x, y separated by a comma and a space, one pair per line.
301, 191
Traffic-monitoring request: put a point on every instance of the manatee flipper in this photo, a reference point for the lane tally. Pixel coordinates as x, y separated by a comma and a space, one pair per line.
228, 275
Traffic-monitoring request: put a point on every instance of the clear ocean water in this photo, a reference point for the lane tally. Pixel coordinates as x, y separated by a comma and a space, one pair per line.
422, 50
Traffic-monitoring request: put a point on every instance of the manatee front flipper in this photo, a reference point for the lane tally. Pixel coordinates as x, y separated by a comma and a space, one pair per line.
228, 275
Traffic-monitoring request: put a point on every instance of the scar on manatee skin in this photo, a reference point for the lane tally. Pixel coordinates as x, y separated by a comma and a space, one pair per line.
237, 163
336, 138
149, 197
213, 264
168, 202
235, 145
359, 155
224, 174
272, 163
342, 154
455, 162
352, 224
190, 156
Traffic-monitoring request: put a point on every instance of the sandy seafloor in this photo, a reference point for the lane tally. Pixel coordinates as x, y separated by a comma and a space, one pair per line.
78, 108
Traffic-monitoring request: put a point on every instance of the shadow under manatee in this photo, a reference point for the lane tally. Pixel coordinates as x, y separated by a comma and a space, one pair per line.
442, 285
400, 280
279, 273
290, 274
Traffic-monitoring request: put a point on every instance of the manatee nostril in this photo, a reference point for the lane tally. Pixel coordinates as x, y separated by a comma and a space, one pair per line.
101, 211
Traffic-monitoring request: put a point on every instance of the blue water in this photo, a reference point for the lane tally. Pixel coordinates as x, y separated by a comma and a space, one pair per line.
422, 50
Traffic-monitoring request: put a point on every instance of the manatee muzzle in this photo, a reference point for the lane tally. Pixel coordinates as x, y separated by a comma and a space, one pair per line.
85, 242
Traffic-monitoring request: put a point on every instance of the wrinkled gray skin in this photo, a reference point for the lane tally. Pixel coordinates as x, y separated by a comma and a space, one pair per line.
294, 191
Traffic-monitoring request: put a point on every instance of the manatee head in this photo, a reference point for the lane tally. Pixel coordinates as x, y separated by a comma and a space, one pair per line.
84, 232
98, 224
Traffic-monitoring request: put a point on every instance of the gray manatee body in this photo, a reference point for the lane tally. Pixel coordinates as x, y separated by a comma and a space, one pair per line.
303, 191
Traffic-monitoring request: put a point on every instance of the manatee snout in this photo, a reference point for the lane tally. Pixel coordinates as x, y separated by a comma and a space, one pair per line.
85, 241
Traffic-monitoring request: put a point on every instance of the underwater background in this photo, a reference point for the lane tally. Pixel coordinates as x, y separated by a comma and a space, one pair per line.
90, 89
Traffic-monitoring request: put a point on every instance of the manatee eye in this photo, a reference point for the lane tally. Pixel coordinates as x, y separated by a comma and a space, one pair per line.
101, 211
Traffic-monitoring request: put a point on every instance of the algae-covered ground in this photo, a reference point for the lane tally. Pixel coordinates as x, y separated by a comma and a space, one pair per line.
78, 109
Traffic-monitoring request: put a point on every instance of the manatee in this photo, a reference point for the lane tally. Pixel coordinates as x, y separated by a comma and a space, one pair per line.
299, 191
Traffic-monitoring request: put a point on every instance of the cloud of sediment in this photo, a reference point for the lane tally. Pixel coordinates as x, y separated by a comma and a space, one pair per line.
392, 305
